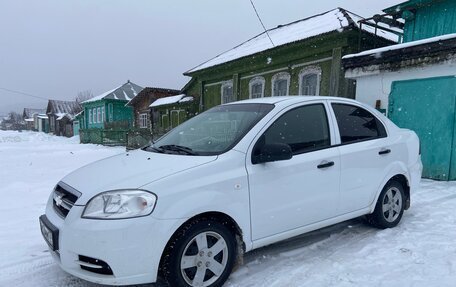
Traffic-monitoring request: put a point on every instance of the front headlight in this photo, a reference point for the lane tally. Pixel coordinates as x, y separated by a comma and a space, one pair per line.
120, 204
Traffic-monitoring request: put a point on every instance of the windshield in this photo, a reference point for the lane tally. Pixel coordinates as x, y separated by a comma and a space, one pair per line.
212, 132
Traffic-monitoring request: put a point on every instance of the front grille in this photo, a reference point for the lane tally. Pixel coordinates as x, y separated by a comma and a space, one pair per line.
94, 265
64, 198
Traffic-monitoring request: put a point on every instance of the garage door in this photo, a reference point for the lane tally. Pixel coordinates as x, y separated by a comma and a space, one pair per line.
427, 106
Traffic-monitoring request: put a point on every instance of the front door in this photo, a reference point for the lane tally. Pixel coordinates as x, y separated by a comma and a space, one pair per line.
289, 194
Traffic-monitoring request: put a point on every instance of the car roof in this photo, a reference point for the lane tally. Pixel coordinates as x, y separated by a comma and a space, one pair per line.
290, 100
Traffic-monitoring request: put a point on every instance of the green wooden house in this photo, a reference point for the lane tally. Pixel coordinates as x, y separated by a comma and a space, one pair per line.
415, 81
169, 112
109, 109
299, 58
106, 118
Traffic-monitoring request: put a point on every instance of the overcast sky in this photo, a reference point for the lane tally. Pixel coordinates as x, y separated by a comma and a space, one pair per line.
55, 48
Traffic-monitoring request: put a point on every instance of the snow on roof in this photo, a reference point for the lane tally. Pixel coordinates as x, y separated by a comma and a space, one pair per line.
29, 120
43, 116
171, 100
379, 51
29, 113
125, 92
334, 20
60, 116
63, 107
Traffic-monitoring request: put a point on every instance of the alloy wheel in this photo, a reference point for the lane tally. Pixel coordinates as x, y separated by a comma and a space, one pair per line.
392, 204
204, 259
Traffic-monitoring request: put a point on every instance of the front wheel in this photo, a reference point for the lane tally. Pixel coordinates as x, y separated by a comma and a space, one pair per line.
203, 254
390, 206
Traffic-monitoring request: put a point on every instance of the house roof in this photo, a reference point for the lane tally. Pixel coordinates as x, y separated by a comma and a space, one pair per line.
29, 113
146, 91
59, 108
334, 20
171, 100
125, 92
411, 50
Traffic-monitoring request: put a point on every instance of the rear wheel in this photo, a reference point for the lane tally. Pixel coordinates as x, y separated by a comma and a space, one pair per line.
390, 206
203, 254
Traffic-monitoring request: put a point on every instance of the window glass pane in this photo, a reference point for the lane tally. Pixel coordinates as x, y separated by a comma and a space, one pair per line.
357, 124
227, 94
280, 87
90, 116
257, 90
143, 120
309, 85
303, 129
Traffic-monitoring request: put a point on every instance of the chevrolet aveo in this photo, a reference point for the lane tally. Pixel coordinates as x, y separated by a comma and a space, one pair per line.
232, 179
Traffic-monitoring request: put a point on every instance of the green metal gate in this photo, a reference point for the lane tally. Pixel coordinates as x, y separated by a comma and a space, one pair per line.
428, 107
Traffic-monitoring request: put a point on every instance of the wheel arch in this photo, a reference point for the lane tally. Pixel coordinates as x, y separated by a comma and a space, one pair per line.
398, 173
220, 217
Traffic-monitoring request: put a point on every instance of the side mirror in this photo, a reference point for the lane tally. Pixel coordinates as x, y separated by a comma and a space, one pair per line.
272, 152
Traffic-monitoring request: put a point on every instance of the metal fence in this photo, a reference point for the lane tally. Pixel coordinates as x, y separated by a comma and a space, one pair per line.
132, 139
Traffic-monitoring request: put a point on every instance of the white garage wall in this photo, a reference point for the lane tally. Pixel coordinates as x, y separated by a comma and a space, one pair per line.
373, 85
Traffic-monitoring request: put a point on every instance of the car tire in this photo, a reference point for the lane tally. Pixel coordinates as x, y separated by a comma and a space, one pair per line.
390, 206
202, 253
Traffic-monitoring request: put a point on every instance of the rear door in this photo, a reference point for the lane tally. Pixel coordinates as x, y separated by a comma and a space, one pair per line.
364, 154
289, 194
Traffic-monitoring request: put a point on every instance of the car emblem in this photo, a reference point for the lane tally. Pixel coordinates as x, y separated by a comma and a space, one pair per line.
58, 200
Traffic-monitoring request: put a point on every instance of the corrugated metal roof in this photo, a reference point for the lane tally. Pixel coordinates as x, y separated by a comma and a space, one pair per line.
125, 92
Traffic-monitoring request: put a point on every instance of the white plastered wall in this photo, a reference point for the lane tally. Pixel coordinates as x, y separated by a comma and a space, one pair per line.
373, 85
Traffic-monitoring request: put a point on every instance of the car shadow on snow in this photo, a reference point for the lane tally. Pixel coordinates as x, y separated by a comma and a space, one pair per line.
267, 255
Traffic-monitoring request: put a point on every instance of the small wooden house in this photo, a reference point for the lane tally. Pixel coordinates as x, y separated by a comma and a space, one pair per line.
61, 115
299, 58
30, 117
415, 82
109, 110
171, 111
143, 118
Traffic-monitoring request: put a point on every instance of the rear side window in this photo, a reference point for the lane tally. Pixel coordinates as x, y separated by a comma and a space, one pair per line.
357, 124
304, 129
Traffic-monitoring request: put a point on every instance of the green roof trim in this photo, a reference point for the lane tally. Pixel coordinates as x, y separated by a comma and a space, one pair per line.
408, 5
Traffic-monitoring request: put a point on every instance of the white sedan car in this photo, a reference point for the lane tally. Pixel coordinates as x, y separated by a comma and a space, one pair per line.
234, 178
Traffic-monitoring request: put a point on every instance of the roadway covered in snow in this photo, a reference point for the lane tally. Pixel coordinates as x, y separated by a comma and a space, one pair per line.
421, 251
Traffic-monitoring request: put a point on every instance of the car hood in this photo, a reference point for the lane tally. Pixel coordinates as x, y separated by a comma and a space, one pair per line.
128, 171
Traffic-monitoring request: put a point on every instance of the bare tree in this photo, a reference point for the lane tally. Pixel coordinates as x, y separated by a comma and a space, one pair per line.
14, 121
84, 96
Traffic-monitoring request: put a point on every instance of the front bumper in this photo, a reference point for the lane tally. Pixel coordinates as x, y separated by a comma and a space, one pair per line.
131, 247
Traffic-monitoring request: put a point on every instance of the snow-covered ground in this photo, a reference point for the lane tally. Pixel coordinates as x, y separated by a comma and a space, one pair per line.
421, 251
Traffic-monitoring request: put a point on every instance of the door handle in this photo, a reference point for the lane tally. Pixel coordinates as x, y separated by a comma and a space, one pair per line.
325, 164
384, 151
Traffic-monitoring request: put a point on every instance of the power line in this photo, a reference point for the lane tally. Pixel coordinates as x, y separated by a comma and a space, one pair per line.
261, 21
22, 93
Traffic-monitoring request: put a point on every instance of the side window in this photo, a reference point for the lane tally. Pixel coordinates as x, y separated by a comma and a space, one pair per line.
256, 87
227, 92
304, 129
356, 124
280, 84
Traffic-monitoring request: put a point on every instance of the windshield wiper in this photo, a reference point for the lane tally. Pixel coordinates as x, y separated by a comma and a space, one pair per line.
178, 148
153, 149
